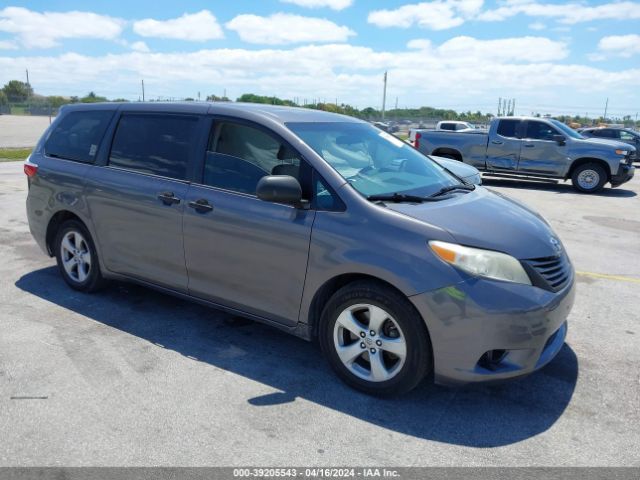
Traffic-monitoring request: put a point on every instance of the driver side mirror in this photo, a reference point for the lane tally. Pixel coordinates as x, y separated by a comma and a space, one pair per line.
560, 139
280, 189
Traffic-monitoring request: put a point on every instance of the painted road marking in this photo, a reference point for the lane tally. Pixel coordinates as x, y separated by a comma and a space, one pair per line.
609, 277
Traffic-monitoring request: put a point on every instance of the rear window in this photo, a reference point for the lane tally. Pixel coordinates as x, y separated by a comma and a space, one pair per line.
77, 135
155, 144
508, 128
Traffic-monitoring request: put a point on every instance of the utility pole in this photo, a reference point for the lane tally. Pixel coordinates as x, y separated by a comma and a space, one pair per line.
143, 90
509, 108
513, 107
27, 70
396, 103
606, 106
499, 105
384, 94
198, 96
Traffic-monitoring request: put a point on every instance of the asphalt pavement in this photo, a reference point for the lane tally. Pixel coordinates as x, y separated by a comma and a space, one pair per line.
129, 376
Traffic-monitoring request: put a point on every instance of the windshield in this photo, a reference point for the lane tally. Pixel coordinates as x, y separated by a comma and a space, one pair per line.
372, 161
566, 130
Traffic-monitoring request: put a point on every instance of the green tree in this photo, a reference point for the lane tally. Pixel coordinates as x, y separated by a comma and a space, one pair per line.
17, 91
91, 97
3, 98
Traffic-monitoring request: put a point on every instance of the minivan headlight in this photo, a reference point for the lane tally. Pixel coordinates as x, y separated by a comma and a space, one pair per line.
484, 263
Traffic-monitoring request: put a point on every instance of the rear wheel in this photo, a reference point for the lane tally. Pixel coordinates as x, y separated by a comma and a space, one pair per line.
77, 257
374, 339
589, 178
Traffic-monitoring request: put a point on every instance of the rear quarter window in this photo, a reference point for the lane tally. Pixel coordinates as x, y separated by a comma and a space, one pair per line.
77, 135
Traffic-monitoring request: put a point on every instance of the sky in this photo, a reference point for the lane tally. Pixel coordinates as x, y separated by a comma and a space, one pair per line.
552, 57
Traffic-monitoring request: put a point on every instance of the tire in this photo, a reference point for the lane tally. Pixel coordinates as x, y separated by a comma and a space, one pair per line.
589, 178
77, 257
396, 323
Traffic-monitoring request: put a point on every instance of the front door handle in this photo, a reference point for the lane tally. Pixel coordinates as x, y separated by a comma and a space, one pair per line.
168, 198
201, 205
529, 145
497, 142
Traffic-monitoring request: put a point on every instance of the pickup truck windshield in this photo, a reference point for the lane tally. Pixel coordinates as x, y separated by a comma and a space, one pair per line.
372, 161
566, 130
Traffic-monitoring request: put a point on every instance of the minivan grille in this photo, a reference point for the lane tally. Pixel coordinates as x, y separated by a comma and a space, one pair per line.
551, 273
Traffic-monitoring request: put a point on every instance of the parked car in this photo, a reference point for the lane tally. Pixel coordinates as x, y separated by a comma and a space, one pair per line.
455, 126
316, 223
535, 148
619, 134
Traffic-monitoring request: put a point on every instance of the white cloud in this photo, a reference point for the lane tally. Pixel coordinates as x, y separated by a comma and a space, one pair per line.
437, 15
8, 45
624, 46
195, 27
139, 47
333, 4
283, 28
444, 14
44, 30
464, 49
537, 26
568, 13
462, 72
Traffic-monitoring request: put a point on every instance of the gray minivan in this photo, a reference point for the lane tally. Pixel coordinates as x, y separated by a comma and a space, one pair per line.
316, 223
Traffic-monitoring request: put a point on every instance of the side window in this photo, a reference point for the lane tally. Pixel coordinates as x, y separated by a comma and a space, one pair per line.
156, 144
540, 131
325, 197
624, 135
448, 126
239, 155
77, 135
508, 128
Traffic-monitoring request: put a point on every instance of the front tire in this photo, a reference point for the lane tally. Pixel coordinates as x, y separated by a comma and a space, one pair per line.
589, 178
375, 340
77, 257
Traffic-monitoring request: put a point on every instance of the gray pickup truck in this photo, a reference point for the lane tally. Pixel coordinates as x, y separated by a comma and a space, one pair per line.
537, 148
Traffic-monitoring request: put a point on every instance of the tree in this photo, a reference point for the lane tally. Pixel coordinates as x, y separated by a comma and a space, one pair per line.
17, 91
3, 98
91, 97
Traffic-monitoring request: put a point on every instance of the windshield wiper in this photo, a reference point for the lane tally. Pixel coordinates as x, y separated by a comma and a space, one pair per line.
398, 198
451, 188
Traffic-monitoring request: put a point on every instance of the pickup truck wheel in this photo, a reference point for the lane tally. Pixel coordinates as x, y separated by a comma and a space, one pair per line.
589, 178
374, 339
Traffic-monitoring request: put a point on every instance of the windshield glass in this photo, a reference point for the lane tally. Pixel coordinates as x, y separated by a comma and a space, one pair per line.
372, 161
566, 129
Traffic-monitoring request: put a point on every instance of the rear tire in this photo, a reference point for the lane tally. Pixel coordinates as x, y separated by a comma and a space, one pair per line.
589, 178
77, 257
374, 339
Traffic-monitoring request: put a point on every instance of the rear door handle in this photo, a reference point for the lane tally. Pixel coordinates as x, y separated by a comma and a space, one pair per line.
201, 205
168, 198
529, 145
497, 142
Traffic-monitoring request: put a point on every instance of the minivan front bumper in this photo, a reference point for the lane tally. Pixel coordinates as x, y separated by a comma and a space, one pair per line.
484, 330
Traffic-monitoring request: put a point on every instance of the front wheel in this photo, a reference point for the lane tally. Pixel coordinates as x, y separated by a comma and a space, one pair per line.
374, 339
589, 178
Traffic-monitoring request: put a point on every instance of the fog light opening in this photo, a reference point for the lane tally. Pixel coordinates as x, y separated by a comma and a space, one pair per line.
491, 359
